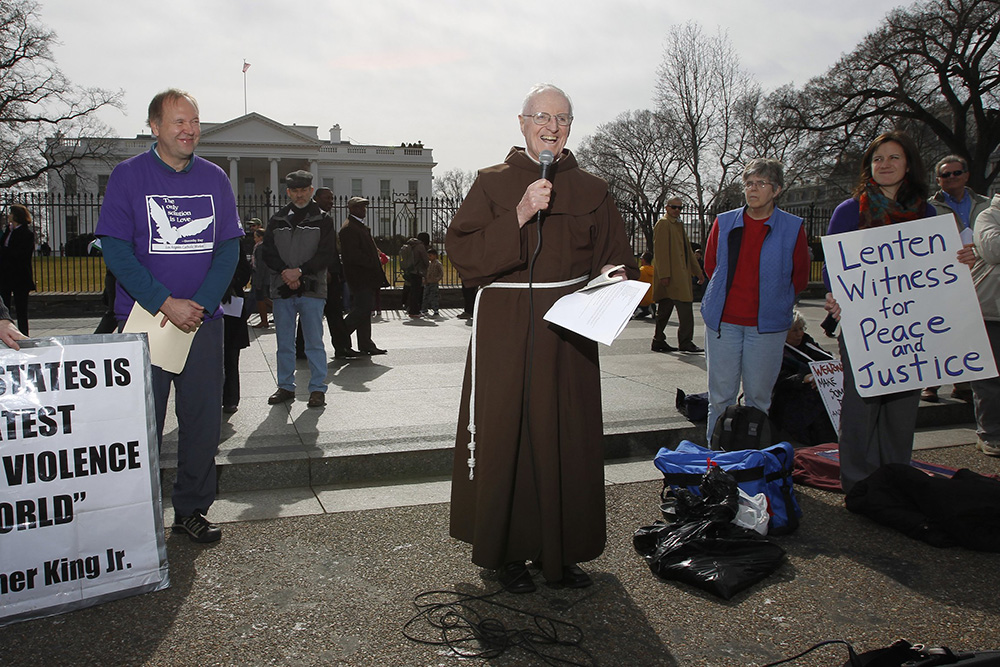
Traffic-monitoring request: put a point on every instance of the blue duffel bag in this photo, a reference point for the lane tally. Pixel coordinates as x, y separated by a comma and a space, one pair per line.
767, 471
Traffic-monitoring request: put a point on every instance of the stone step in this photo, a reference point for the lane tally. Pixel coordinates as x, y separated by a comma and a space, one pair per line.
273, 462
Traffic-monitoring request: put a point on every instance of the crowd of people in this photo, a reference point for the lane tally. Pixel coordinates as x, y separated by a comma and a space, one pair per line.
528, 480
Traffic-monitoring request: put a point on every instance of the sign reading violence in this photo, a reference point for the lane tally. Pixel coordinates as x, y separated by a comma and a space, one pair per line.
910, 316
81, 520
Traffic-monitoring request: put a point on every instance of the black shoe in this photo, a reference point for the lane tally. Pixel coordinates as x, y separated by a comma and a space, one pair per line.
317, 399
230, 409
347, 354
691, 348
198, 528
662, 346
280, 396
515, 578
372, 351
574, 577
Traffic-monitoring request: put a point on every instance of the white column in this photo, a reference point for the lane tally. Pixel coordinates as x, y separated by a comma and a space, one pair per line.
314, 168
234, 175
274, 175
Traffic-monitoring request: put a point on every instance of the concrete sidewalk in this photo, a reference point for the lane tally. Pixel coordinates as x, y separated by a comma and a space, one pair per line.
339, 588
336, 519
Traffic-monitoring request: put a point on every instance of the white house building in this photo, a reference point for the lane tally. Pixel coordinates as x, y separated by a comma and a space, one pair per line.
257, 152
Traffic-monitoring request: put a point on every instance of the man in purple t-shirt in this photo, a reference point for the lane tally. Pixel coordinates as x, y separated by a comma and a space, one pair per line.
170, 234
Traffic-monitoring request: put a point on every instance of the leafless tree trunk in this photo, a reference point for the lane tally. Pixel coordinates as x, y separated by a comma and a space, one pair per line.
42, 115
703, 88
635, 155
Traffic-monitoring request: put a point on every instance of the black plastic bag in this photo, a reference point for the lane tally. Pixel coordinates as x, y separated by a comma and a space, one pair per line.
719, 557
718, 498
704, 548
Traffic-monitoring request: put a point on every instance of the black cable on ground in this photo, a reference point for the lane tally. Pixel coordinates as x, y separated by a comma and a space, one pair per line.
452, 619
455, 623
852, 656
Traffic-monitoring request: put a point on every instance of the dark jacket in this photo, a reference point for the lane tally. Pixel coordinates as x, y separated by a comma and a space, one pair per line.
308, 244
16, 248
359, 254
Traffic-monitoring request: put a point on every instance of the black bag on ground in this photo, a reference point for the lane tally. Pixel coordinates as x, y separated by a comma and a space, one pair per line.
741, 427
963, 510
704, 548
904, 654
692, 406
715, 556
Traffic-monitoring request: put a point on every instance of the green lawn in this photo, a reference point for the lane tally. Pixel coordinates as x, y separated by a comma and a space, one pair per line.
69, 274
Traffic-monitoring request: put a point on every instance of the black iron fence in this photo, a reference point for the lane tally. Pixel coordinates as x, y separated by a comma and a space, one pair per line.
67, 260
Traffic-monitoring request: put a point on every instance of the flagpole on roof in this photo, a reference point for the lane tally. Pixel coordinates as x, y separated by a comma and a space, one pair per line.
246, 66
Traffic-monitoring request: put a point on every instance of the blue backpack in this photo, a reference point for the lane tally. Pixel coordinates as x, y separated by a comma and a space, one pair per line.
767, 471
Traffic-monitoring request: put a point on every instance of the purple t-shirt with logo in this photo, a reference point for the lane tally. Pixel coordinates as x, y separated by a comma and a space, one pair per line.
173, 220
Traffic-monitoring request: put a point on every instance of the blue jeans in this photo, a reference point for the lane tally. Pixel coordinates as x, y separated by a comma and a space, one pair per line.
310, 312
736, 353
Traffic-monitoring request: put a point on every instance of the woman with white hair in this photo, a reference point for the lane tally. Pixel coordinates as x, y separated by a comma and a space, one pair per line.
757, 260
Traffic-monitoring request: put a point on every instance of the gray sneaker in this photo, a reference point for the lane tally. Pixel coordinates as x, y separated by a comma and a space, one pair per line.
987, 448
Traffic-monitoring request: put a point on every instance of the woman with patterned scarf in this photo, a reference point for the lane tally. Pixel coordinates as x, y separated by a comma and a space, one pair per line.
892, 188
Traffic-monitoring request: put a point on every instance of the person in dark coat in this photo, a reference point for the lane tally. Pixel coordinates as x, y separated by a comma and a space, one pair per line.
17, 245
796, 406
235, 335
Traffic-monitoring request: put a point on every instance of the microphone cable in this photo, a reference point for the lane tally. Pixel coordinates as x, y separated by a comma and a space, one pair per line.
526, 400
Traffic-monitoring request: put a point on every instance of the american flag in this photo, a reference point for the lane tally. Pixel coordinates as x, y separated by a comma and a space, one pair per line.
246, 66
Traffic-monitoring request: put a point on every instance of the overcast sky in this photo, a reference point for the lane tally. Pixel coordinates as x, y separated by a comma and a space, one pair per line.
449, 73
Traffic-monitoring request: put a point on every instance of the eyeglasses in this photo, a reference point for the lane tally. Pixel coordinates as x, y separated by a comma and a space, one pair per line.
676, 207
542, 118
949, 174
755, 185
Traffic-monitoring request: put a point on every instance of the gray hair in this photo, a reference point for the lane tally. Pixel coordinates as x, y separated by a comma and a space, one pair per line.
540, 88
772, 170
950, 158
797, 318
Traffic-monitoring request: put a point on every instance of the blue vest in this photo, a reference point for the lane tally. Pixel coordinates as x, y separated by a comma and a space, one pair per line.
777, 293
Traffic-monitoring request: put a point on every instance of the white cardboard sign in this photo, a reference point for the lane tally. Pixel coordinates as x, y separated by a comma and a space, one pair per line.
829, 377
910, 317
81, 518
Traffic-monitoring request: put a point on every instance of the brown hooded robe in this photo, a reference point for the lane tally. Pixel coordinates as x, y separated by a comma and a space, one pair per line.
500, 512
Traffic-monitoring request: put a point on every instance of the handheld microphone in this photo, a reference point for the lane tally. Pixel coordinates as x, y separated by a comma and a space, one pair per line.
546, 158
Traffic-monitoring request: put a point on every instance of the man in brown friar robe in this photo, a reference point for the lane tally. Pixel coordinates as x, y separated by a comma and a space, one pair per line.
538, 465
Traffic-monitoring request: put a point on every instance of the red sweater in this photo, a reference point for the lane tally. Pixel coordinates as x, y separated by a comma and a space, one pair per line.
743, 300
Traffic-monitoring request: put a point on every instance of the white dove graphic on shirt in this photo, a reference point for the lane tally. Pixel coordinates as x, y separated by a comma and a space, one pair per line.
170, 234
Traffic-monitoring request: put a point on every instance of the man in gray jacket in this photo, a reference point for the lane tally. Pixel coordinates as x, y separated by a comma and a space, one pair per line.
986, 278
955, 197
299, 245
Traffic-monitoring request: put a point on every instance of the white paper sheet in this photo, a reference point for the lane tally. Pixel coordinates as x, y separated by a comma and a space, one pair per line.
234, 308
601, 313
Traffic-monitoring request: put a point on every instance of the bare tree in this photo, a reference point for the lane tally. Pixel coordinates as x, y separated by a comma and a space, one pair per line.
635, 154
934, 64
450, 189
454, 183
703, 89
42, 114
